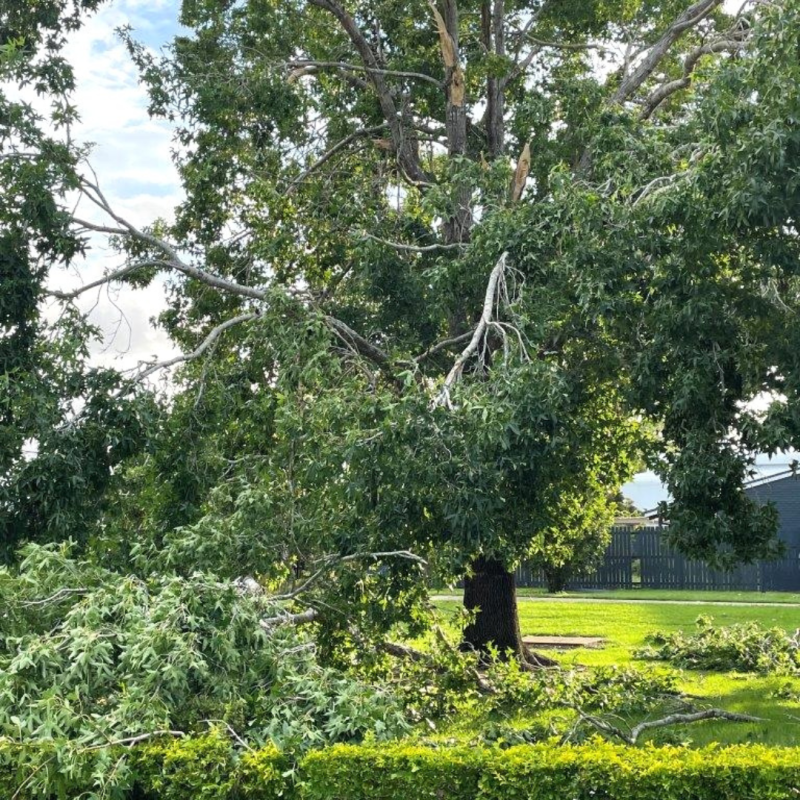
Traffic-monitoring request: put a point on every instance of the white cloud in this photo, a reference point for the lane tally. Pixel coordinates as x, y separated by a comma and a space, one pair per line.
131, 156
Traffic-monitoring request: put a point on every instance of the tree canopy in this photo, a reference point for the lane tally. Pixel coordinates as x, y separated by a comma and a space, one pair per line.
443, 274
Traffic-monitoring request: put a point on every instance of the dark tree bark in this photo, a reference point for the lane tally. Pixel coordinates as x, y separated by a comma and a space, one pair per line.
556, 578
491, 594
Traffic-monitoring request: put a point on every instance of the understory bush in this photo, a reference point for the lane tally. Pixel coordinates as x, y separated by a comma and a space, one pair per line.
208, 768
745, 647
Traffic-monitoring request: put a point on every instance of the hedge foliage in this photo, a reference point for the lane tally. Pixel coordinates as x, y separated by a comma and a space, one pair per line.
208, 768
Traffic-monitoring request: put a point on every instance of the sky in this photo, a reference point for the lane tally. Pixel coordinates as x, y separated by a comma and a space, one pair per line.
131, 156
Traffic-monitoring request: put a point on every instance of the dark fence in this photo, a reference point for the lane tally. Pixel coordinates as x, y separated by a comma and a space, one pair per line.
643, 559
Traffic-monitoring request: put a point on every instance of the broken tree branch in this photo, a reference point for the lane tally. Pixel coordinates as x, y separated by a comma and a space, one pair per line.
270, 623
636, 731
492, 288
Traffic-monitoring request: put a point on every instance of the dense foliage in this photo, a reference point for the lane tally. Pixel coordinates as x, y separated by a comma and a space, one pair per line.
207, 769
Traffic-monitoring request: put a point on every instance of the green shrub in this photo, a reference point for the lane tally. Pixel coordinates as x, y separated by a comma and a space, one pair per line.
201, 768
603, 771
406, 772
595, 771
209, 768
745, 647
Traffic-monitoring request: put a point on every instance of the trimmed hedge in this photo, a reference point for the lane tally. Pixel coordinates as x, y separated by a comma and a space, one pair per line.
206, 768
596, 771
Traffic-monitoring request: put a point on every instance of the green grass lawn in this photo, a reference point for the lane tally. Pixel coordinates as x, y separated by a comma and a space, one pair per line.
625, 626
666, 595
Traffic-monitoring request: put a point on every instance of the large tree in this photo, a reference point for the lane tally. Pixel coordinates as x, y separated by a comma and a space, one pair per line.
437, 260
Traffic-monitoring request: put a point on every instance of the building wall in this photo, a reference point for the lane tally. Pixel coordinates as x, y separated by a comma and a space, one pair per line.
785, 494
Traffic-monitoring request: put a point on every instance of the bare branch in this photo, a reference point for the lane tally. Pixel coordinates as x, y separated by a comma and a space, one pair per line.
671, 719
439, 346
404, 651
346, 67
358, 343
133, 740
204, 345
270, 623
109, 277
410, 248
328, 562
492, 289
61, 594
332, 152
660, 94
683, 719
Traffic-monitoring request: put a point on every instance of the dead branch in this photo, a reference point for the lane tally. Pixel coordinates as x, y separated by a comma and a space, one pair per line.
339, 146
346, 67
410, 248
632, 736
493, 288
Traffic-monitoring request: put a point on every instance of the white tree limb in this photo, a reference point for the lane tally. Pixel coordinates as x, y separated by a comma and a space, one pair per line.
672, 719
493, 287
201, 348
270, 623
411, 248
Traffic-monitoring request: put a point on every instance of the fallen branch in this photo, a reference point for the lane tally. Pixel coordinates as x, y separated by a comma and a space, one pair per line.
672, 719
134, 740
61, 594
270, 623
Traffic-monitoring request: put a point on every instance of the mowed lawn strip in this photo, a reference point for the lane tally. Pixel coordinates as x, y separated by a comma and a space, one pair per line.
666, 595
625, 627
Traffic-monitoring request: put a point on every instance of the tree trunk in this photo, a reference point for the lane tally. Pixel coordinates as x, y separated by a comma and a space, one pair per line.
556, 578
491, 594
